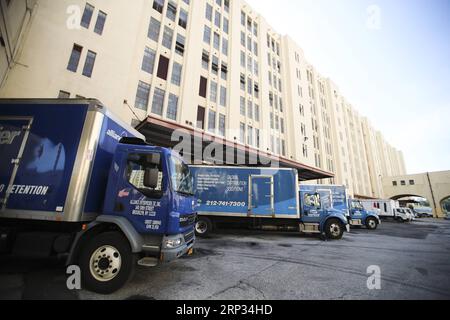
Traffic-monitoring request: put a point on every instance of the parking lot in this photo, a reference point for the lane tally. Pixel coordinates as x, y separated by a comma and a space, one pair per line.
414, 260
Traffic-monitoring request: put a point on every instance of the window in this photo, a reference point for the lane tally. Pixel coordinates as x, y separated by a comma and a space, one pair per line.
215, 65
171, 11
217, 19
250, 135
283, 147
223, 96
213, 92
179, 44
412, 182
89, 64
209, 12
137, 165
172, 107
224, 71
176, 73
158, 101
100, 24
242, 107
243, 18
201, 118
87, 16
227, 5
207, 35
403, 183
167, 38
148, 62
182, 181
226, 25
222, 121
242, 132
257, 113
250, 109
63, 95
154, 29
282, 125
243, 59
183, 20
225, 46
271, 121
205, 60
74, 58
158, 5
394, 183
203, 86
163, 67
212, 121
142, 95
216, 41
243, 38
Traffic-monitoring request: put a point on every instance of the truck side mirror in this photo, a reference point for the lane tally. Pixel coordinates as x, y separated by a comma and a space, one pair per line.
151, 178
154, 159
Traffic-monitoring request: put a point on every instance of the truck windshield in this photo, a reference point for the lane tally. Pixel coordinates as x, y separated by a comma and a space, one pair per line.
357, 205
182, 180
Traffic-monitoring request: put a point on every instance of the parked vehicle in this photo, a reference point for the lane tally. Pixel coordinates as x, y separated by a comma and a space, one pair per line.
423, 212
387, 209
77, 182
356, 214
263, 198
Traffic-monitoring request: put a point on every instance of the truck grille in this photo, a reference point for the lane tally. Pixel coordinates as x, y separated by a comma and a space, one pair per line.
189, 220
188, 237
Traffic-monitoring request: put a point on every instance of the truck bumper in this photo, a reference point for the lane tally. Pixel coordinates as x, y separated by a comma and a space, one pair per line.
169, 254
355, 223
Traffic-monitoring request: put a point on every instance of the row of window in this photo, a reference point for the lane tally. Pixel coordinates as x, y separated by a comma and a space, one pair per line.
276, 101
247, 42
216, 40
219, 21
249, 109
249, 63
87, 17
272, 44
253, 135
148, 65
277, 145
247, 22
172, 10
214, 65
277, 123
403, 183
214, 122
159, 95
75, 57
252, 87
154, 30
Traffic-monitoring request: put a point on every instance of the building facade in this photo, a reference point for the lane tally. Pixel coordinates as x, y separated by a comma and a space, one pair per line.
213, 65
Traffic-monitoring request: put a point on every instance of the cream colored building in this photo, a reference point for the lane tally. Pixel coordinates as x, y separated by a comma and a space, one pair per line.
213, 65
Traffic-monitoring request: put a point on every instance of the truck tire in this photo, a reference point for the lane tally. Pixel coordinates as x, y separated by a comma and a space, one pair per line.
371, 223
203, 227
334, 229
106, 263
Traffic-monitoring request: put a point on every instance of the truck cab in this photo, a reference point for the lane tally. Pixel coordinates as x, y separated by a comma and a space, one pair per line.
318, 215
359, 216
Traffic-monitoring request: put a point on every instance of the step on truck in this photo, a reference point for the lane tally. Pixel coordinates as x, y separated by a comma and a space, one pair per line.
356, 214
264, 198
77, 183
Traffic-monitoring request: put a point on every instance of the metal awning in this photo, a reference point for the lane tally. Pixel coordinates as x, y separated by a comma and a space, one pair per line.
159, 132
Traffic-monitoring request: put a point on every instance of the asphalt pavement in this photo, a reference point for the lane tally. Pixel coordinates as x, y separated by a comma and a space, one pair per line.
413, 260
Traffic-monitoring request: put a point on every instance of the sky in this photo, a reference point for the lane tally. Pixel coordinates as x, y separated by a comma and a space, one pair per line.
389, 58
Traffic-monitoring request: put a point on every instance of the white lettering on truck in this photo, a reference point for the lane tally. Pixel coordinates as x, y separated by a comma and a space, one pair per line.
28, 190
7, 137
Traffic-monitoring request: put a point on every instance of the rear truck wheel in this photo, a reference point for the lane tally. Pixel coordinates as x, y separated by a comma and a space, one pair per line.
334, 229
106, 263
371, 223
203, 227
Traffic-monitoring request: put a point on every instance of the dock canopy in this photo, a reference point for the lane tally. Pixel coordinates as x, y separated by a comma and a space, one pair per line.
167, 134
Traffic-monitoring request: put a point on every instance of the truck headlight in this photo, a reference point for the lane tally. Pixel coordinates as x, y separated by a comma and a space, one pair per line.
173, 243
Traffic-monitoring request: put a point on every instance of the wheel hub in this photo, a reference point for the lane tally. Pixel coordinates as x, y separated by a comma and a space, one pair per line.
105, 263
201, 227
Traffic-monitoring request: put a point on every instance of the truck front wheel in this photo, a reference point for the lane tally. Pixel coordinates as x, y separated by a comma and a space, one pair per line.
334, 229
371, 223
106, 263
203, 227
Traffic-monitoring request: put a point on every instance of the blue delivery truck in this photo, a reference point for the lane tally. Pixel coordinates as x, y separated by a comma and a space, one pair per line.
76, 182
266, 198
356, 214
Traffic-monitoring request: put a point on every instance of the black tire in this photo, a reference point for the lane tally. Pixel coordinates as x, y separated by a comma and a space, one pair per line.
371, 223
121, 246
203, 227
334, 229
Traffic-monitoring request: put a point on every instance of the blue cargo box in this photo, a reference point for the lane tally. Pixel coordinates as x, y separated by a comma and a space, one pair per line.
247, 192
56, 168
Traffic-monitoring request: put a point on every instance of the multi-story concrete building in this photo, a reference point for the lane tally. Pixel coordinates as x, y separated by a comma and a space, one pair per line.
212, 65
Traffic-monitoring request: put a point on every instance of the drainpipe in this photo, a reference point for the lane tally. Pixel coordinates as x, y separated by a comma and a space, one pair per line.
432, 194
